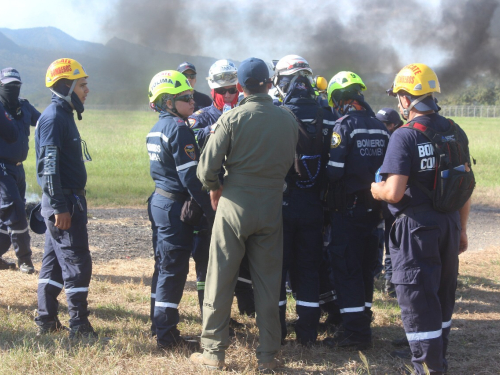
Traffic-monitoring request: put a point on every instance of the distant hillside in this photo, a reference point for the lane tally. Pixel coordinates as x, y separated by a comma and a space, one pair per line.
119, 72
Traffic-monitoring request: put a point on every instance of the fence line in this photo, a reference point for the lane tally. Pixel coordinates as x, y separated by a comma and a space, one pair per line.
470, 111
446, 110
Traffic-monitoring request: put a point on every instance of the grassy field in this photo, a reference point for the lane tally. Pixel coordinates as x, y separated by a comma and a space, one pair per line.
119, 301
119, 173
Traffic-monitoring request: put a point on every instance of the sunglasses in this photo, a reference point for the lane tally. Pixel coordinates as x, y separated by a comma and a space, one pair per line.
222, 90
185, 98
190, 76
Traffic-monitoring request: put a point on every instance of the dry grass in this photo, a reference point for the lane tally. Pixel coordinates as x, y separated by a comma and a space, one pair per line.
119, 300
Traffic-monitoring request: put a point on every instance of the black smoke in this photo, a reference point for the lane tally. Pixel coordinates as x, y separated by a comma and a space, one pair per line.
372, 38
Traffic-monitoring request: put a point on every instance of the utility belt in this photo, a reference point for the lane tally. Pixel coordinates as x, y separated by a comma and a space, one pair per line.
5, 161
81, 192
338, 200
191, 212
178, 197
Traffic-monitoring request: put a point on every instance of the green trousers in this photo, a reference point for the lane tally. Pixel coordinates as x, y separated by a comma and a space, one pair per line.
248, 220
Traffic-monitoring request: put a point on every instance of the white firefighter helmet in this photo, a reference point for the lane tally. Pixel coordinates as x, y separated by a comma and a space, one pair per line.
222, 73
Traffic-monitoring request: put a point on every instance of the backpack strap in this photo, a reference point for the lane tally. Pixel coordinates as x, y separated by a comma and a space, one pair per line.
431, 134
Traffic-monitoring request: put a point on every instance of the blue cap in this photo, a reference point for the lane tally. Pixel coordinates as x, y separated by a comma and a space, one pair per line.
389, 115
253, 68
8, 75
186, 66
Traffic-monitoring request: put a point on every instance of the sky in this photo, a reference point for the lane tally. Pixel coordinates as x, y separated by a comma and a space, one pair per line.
458, 38
89, 19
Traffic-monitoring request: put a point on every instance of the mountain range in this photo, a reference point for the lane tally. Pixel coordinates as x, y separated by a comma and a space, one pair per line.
119, 71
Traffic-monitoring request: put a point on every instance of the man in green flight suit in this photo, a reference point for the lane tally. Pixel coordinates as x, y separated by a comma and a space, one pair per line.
257, 140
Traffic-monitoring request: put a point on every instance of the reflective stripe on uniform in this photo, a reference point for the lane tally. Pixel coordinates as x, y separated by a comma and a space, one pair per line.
4, 231
282, 303
19, 231
447, 324
352, 309
335, 164
51, 282
200, 285
76, 290
328, 122
243, 280
166, 304
187, 165
158, 135
307, 304
419, 336
369, 131
368, 304
153, 295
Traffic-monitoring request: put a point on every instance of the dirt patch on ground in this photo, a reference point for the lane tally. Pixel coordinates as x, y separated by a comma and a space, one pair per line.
125, 233
114, 233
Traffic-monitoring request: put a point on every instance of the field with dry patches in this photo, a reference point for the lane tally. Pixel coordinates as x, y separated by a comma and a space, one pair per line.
119, 302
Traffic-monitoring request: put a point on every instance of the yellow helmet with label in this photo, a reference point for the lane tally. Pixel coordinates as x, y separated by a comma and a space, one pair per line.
417, 80
64, 68
167, 82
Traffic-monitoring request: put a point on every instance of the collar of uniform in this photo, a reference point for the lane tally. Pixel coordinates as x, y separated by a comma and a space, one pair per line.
62, 103
177, 119
256, 98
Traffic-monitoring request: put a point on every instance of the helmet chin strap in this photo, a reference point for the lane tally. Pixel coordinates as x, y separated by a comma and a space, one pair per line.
406, 111
67, 97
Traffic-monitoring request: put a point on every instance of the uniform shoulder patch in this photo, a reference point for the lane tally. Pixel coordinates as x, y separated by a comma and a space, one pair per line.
192, 122
199, 112
213, 127
336, 139
8, 116
190, 151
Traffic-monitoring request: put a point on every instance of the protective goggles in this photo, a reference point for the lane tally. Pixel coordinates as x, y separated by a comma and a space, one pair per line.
223, 90
184, 98
224, 79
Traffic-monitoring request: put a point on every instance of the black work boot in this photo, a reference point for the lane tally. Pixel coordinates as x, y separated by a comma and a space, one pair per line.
82, 331
26, 267
50, 326
4, 265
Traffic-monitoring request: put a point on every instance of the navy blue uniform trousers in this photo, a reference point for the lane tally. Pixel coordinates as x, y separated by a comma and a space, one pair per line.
66, 263
13, 224
424, 247
173, 249
302, 254
352, 252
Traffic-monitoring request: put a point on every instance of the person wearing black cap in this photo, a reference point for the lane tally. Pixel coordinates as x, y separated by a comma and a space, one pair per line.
257, 140
200, 100
390, 118
425, 239
392, 121
20, 114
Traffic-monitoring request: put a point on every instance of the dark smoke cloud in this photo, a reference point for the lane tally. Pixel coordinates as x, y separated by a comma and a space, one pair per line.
472, 41
373, 38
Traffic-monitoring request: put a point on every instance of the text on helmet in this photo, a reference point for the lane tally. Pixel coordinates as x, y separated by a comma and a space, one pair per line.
60, 70
414, 68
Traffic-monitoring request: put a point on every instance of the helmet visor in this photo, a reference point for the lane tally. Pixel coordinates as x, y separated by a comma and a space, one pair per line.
225, 78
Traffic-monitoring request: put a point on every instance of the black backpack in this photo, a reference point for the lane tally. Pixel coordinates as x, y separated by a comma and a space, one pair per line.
308, 154
454, 180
